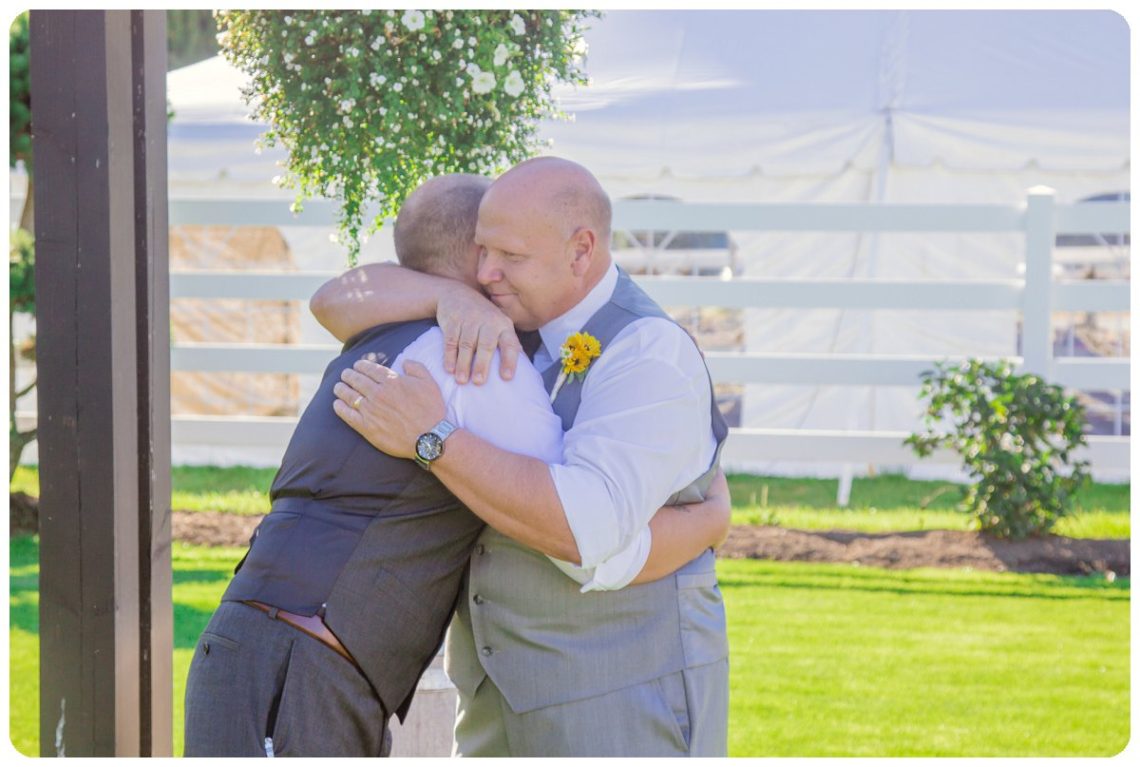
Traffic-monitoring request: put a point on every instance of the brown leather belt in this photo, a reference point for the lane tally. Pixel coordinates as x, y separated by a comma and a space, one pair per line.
306, 624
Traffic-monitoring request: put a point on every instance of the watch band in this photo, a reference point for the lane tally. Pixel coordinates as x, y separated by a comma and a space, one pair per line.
443, 429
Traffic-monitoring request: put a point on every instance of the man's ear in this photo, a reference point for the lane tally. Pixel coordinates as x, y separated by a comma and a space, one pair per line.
582, 243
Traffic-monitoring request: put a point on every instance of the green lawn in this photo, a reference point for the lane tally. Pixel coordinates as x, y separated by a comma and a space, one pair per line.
836, 660
892, 503
827, 660
879, 504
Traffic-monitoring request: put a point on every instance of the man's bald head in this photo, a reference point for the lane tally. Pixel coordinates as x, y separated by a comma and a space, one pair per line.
436, 225
565, 190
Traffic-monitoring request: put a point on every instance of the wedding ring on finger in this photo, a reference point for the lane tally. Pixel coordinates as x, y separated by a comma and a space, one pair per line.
356, 402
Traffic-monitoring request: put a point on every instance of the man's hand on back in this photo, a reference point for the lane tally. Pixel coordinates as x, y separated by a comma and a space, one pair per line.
473, 327
390, 411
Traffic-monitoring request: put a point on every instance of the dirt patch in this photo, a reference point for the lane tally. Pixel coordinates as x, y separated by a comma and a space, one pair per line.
211, 528
930, 548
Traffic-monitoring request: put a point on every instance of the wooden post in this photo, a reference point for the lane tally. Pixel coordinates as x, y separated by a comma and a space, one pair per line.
95, 651
152, 323
1037, 301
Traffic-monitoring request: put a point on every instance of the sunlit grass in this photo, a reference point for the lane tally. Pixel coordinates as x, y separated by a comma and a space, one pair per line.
826, 660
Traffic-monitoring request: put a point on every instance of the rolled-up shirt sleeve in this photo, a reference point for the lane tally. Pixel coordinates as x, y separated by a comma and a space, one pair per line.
516, 415
642, 432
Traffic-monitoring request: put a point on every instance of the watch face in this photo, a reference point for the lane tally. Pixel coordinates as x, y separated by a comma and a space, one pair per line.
429, 446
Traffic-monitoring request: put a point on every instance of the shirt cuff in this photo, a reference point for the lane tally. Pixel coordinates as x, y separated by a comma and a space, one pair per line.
590, 512
617, 571
614, 573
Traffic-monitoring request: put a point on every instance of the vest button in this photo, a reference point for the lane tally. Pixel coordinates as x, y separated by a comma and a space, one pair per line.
206, 648
478, 599
480, 549
487, 651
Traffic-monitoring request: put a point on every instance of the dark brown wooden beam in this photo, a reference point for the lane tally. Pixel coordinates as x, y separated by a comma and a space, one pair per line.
152, 301
104, 543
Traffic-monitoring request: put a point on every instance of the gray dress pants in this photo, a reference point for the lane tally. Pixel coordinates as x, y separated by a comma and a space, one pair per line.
259, 687
676, 715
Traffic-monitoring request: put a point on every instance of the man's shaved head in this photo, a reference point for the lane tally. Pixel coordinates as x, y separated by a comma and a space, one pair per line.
565, 190
436, 225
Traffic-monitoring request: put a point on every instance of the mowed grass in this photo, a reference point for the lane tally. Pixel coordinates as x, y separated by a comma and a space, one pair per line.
893, 503
837, 660
887, 503
201, 574
827, 660
232, 489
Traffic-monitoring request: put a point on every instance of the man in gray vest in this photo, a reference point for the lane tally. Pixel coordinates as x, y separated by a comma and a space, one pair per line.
542, 669
345, 593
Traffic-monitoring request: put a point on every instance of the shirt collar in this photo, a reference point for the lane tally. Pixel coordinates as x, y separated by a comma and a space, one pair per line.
555, 332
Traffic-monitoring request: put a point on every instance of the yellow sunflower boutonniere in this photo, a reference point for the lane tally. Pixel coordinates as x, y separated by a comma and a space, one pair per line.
578, 351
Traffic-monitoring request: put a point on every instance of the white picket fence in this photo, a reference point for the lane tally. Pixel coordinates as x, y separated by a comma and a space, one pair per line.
1036, 297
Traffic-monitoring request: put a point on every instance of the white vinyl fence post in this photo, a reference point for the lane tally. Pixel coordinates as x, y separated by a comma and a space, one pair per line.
1037, 301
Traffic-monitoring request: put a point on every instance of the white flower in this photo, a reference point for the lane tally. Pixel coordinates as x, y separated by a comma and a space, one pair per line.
288, 58
501, 54
377, 43
458, 43
459, 82
413, 20
517, 24
346, 105
397, 87
347, 121
483, 82
436, 55
1007, 442
580, 49
473, 69
513, 85
472, 42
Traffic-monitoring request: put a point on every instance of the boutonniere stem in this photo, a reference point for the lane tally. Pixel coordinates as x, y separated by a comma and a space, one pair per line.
578, 351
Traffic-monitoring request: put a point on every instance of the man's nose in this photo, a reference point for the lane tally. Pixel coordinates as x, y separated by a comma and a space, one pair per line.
488, 271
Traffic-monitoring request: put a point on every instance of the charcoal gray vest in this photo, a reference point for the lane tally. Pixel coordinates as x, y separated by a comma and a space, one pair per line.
526, 625
374, 543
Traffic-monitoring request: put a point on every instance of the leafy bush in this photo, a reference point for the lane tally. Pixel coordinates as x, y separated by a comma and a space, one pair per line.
1015, 434
370, 103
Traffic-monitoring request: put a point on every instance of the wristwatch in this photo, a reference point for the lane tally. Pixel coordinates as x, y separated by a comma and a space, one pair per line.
429, 446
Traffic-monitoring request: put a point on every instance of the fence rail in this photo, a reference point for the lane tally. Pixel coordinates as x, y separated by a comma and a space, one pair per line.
1035, 297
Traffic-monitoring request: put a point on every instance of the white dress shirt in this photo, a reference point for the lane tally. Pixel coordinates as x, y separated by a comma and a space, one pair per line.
642, 431
516, 416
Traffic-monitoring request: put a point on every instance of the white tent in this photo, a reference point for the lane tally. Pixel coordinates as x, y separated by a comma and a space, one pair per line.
803, 106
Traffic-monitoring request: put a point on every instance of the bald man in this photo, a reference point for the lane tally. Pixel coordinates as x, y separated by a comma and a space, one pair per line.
543, 669
351, 579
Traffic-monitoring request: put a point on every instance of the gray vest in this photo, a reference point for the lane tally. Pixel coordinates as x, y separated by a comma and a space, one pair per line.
375, 544
526, 625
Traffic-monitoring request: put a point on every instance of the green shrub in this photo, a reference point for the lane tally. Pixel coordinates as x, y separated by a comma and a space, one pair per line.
1015, 434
